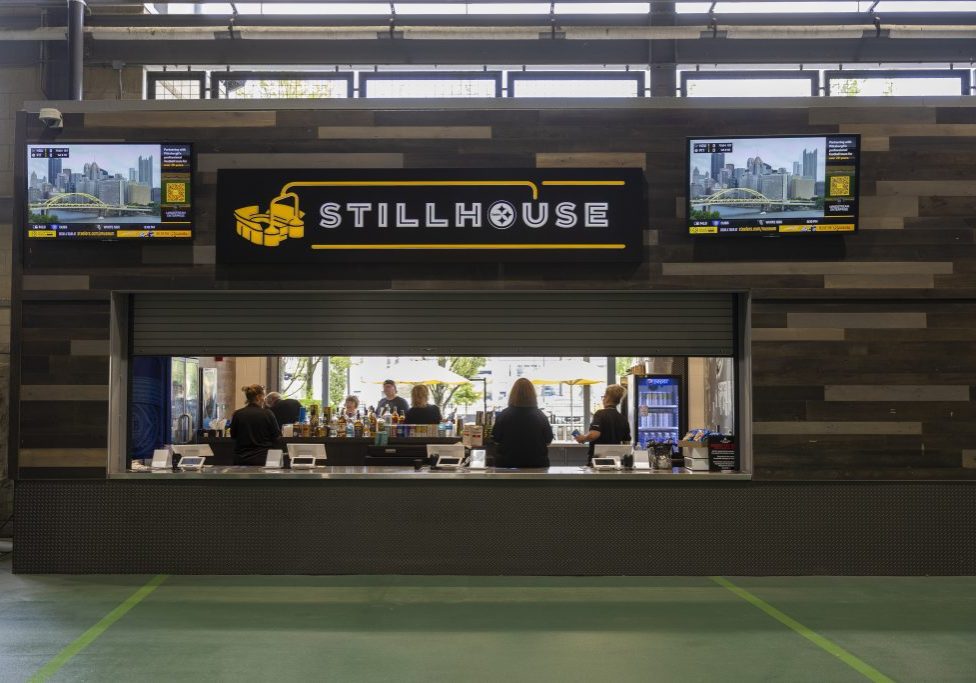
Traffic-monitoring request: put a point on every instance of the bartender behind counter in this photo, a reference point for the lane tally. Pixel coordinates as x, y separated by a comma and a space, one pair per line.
608, 426
254, 429
286, 410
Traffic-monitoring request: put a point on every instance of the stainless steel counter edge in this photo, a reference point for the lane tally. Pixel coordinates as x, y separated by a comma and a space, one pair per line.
553, 473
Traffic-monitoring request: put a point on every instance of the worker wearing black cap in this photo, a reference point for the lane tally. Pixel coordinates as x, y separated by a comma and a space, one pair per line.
391, 401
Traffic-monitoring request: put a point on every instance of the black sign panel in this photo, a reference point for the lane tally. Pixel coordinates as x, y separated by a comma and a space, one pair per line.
304, 216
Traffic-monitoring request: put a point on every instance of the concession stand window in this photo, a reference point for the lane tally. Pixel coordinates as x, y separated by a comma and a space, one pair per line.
423, 323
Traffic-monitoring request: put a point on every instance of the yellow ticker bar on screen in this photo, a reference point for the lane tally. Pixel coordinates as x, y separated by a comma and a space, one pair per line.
153, 234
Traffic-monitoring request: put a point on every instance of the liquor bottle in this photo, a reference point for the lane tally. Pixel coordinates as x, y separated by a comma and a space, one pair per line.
341, 424
372, 420
367, 432
358, 426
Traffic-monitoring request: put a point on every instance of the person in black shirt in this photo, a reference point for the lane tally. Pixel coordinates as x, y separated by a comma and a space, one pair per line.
522, 433
286, 410
422, 413
609, 426
254, 429
390, 400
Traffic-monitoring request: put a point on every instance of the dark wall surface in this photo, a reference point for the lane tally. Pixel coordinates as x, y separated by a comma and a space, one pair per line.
501, 527
862, 345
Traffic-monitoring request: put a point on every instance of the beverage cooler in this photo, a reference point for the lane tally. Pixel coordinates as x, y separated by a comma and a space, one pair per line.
656, 408
185, 399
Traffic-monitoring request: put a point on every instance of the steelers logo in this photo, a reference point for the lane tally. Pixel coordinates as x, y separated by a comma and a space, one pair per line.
501, 215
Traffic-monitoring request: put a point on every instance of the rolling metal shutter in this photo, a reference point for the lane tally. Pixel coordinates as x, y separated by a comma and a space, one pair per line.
425, 323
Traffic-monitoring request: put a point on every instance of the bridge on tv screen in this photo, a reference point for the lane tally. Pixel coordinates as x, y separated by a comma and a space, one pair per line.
86, 202
733, 197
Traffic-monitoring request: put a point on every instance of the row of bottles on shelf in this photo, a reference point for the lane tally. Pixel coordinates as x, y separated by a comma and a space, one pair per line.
657, 420
334, 423
657, 398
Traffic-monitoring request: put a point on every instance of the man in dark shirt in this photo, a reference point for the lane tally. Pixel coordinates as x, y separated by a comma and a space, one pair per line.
254, 429
390, 400
609, 426
286, 410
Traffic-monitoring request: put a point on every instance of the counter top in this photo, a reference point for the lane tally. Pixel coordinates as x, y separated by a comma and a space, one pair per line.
553, 473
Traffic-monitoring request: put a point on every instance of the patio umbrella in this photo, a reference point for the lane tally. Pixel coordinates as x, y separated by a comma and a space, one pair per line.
420, 372
572, 373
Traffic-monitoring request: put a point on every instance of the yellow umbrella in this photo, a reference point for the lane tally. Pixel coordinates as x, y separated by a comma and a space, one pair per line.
571, 372
420, 372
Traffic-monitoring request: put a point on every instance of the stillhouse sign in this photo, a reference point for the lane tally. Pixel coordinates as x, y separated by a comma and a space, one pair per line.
305, 216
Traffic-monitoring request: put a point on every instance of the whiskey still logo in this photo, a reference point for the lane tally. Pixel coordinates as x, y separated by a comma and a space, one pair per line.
379, 214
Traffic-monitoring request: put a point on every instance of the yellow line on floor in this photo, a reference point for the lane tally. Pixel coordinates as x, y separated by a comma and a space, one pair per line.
89, 636
833, 648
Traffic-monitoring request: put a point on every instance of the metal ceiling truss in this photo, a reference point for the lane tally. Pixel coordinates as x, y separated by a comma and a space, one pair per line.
661, 36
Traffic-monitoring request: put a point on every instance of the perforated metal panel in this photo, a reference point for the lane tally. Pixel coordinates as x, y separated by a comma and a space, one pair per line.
514, 527
450, 323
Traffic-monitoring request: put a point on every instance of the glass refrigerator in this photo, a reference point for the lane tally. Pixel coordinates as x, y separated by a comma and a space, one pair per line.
656, 408
185, 399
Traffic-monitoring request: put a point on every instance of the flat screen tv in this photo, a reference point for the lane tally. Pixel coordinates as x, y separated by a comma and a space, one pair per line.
782, 185
109, 191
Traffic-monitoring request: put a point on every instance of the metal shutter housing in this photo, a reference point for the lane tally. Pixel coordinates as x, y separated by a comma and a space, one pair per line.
409, 323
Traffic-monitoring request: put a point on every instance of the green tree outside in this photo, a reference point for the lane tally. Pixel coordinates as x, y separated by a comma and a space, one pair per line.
704, 215
338, 372
443, 395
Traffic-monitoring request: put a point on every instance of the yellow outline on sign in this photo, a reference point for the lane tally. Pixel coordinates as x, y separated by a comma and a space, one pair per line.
469, 246
284, 221
415, 183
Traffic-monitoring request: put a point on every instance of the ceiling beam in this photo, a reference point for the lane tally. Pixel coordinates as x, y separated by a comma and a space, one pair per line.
529, 52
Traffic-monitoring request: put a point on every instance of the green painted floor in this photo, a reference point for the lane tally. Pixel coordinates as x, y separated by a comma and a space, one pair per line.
382, 628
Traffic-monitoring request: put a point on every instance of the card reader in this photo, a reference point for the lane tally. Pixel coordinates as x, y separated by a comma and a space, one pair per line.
606, 462
191, 462
305, 462
448, 462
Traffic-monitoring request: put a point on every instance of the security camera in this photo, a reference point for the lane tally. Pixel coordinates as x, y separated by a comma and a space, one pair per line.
50, 117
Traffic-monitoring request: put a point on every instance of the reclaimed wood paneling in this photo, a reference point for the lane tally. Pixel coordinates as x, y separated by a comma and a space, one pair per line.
591, 160
210, 162
202, 121
89, 347
841, 319
809, 427
404, 132
797, 334
879, 281
863, 346
896, 393
55, 282
63, 457
64, 392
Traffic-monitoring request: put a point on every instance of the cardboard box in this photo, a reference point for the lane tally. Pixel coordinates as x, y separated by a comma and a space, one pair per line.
472, 436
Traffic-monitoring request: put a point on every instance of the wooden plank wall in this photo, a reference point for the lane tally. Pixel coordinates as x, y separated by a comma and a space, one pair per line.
863, 346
